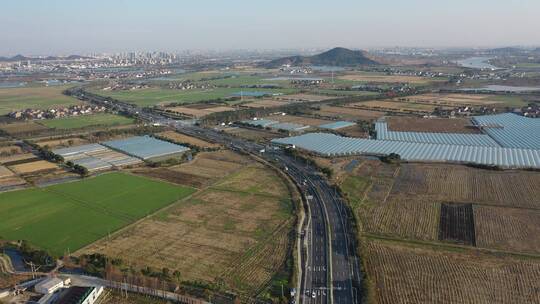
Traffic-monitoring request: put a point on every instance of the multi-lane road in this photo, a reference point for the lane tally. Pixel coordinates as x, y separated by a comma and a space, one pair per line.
330, 267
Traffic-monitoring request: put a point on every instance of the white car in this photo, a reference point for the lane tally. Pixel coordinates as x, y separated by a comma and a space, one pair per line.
313, 295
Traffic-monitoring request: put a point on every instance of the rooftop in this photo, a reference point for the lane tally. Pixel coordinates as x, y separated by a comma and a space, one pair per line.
337, 125
332, 145
511, 130
145, 147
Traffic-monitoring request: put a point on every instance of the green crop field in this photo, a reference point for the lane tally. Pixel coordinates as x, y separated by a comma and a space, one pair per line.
156, 96
12, 99
71, 215
76, 122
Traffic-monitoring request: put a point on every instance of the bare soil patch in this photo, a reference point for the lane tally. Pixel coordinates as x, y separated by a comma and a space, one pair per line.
348, 113
437, 125
182, 138
412, 274
33, 167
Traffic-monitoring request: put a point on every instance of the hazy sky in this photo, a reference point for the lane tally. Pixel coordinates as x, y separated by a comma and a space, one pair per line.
83, 26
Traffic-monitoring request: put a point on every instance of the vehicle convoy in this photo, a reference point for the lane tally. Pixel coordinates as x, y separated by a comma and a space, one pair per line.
329, 262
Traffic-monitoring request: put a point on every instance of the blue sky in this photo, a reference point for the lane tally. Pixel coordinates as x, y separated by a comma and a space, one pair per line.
77, 26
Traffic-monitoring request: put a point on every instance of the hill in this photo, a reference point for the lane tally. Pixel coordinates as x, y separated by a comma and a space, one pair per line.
334, 57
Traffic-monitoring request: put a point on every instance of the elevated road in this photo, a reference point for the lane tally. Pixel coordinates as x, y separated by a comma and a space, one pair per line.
330, 267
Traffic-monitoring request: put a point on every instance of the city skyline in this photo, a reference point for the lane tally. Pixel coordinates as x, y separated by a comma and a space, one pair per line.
68, 27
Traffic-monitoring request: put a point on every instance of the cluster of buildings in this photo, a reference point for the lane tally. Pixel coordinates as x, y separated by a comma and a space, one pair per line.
57, 112
188, 85
125, 87
53, 290
58, 291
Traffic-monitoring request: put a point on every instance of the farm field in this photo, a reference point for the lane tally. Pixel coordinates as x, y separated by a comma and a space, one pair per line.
307, 121
437, 125
336, 93
13, 99
206, 169
76, 122
264, 103
510, 229
72, 215
388, 105
182, 138
10, 150
348, 113
304, 97
381, 78
453, 99
22, 127
34, 167
62, 142
198, 113
403, 273
406, 202
455, 183
159, 96
251, 134
235, 231
22, 158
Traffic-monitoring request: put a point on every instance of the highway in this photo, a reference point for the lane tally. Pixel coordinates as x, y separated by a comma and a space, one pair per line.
330, 267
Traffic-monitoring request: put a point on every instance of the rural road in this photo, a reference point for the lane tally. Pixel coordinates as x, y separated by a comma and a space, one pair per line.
331, 272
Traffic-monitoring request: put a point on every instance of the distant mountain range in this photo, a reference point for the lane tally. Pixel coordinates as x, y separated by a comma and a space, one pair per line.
334, 57
24, 58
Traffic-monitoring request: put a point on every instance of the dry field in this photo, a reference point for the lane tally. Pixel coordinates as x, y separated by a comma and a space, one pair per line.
304, 97
235, 231
405, 201
22, 127
10, 150
17, 158
265, 103
453, 99
438, 125
34, 167
198, 113
204, 170
507, 228
409, 274
386, 78
307, 121
182, 138
454, 183
64, 142
213, 165
10, 182
348, 113
394, 106
251, 134
354, 131
5, 172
